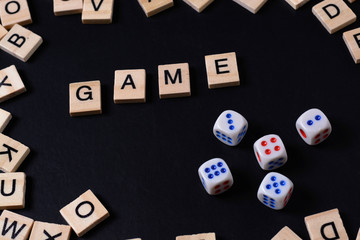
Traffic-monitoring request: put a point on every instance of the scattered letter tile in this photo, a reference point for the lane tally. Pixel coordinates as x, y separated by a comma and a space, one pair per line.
352, 41
12, 190
174, 80
286, 234
67, 7
202, 236
97, 11
12, 153
251, 5
3, 32
296, 4
152, 7
130, 86
11, 84
198, 5
14, 226
43, 230
14, 12
5, 118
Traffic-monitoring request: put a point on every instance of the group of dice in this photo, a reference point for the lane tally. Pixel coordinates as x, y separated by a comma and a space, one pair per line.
275, 190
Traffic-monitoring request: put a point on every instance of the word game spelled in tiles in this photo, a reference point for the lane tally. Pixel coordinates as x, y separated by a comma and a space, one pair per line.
286, 234
5, 118
174, 80
270, 152
67, 7
152, 7
84, 213
85, 98
296, 4
14, 226
326, 225
251, 5
201, 236
14, 12
334, 15
230, 127
198, 5
3, 32
12, 190
352, 41
222, 70
44, 230
11, 84
215, 176
20, 42
12, 153
97, 11
275, 190
130, 86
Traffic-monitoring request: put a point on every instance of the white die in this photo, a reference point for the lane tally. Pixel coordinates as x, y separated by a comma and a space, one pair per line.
275, 190
230, 127
313, 126
270, 152
215, 176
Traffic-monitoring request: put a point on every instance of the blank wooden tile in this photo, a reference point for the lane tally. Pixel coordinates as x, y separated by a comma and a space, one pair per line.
326, 225
174, 80
14, 12
152, 7
198, 5
85, 98
67, 7
12, 190
3, 32
11, 84
334, 15
251, 5
44, 230
296, 4
14, 226
12, 153
222, 70
84, 213
20, 42
130, 86
286, 234
5, 118
97, 11
352, 41
202, 236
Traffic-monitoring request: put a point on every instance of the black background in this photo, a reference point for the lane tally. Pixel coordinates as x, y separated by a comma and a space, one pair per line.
141, 160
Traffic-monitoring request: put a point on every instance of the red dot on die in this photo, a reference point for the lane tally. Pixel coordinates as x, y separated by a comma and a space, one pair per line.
217, 186
226, 187
267, 151
326, 130
303, 133
226, 182
317, 141
277, 148
317, 136
264, 143
273, 140
325, 136
217, 191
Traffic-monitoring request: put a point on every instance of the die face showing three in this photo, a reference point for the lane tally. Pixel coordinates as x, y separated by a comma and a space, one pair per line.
275, 190
270, 152
215, 176
230, 127
313, 126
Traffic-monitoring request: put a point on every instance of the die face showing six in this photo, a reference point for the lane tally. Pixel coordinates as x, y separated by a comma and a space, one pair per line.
215, 176
313, 126
270, 152
230, 127
275, 190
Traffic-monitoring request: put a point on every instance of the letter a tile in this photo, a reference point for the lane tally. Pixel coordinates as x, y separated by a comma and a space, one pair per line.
334, 15
130, 86
43, 230
152, 7
174, 80
12, 153
84, 213
12, 190
352, 41
326, 225
97, 11
11, 84
202, 236
286, 234
14, 12
14, 226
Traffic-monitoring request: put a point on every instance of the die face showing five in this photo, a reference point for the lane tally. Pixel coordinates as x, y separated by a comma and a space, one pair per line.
270, 152
275, 190
313, 126
230, 127
215, 176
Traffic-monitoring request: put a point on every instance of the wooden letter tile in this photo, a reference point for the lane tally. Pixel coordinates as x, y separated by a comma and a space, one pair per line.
97, 11
20, 42
3, 32
326, 225
198, 5
202, 236
14, 12
152, 7
174, 80
14, 226
222, 70
251, 5
334, 15
12, 190
286, 234
5, 118
67, 7
11, 84
296, 4
12, 153
84, 213
43, 230
130, 86
352, 41
85, 98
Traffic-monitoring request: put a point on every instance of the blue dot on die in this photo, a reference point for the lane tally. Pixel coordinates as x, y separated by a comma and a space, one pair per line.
317, 117
277, 191
230, 121
220, 164
217, 173
268, 186
210, 176
231, 127
223, 170
282, 183
213, 167
207, 170
310, 122
275, 184
228, 115
273, 178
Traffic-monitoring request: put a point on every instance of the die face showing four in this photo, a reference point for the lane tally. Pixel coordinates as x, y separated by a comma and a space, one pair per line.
270, 152
230, 127
215, 176
275, 190
313, 126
